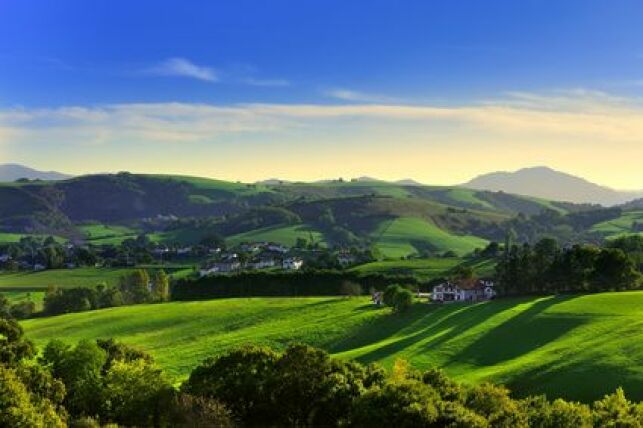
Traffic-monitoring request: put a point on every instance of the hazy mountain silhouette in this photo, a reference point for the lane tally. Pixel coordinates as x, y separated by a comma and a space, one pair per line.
12, 172
544, 182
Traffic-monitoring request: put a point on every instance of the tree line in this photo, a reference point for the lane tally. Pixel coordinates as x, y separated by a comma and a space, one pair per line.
303, 283
135, 288
545, 267
95, 383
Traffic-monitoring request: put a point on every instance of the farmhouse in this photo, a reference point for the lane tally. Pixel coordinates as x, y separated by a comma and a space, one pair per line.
262, 263
293, 263
466, 290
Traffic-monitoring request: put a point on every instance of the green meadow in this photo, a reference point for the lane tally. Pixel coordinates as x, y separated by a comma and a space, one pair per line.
579, 347
64, 278
619, 226
286, 235
406, 236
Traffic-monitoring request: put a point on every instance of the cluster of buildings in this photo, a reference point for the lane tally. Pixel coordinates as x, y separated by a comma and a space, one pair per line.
254, 256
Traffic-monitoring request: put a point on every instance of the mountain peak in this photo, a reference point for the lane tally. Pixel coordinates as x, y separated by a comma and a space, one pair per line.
548, 183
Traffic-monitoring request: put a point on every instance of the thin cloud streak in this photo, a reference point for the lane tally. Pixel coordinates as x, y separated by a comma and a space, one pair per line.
181, 67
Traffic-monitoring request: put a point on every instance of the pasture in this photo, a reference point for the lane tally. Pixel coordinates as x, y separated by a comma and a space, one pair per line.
406, 236
579, 347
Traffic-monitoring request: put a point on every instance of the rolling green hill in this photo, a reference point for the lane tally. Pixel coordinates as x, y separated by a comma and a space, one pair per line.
579, 347
620, 226
64, 207
286, 235
406, 236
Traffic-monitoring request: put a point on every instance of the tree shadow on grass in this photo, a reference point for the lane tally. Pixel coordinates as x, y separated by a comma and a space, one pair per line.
521, 334
419, 323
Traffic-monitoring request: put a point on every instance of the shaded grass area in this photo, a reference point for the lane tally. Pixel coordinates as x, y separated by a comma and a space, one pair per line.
578, 347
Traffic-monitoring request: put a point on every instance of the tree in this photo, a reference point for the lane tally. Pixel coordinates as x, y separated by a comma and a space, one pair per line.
19, 408
160, 286
241, 379
136, 393
615, 410
135, 287
191, 411
398, 298
614, 270
13, 347
79, 368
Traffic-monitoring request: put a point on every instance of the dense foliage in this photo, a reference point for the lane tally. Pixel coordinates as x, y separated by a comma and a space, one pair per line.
547, 268
305, 283
135, 288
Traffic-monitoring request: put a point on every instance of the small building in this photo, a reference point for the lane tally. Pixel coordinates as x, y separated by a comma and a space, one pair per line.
466, 290
277, 248
346, 259
292, 263
262, 263
4, 258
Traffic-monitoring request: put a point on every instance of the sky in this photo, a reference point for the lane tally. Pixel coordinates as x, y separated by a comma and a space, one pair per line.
437, 91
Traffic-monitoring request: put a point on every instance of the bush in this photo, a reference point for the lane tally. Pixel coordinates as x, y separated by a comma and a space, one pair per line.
350, 289
398, 298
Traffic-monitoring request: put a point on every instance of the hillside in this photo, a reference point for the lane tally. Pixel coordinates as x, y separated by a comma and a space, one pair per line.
106, 209
549, 184
579, 347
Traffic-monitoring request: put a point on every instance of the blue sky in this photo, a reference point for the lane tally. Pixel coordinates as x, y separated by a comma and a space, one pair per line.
195, 64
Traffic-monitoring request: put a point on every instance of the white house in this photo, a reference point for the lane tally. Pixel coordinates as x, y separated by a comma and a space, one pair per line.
4, 258
292, 263
469, 290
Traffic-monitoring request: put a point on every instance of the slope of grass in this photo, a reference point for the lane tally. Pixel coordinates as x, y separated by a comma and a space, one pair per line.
286, 235
579, 347
618, 226
104, 234
424, 269
405, 236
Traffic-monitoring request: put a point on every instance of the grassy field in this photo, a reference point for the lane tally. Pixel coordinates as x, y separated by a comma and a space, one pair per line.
103, 234
21, 296
405, 236
65, 278
424, 269
619, 226
286, 235
579, 347
9, 238
79, 277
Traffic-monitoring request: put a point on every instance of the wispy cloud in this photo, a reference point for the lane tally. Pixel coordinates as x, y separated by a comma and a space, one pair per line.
350, 95
181, 67
565, 129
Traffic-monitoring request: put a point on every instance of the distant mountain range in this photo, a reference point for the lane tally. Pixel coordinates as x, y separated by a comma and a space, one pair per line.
544, 182
13, 172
